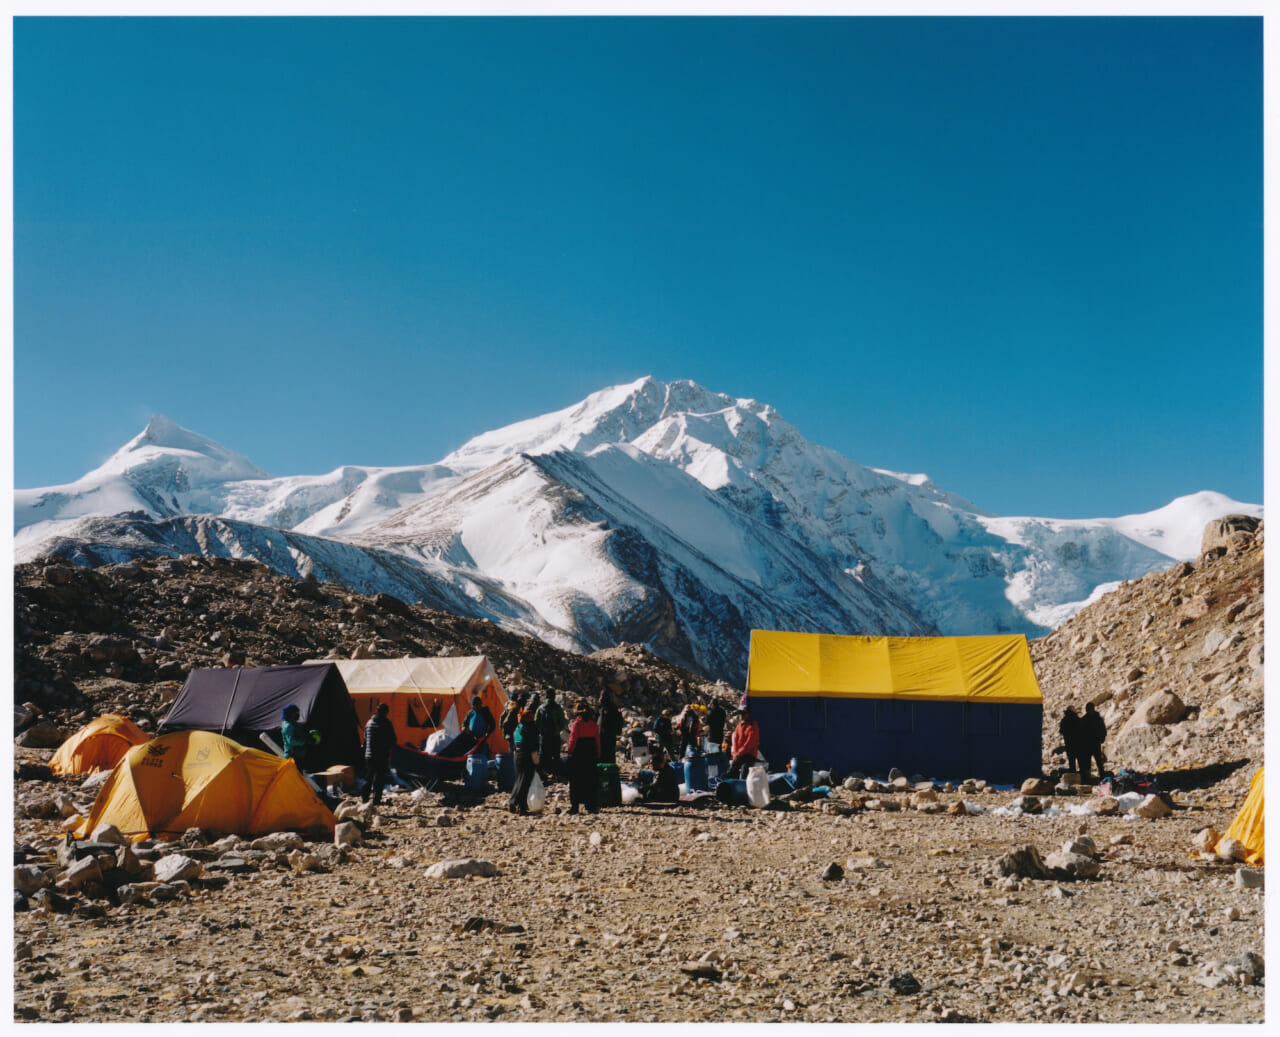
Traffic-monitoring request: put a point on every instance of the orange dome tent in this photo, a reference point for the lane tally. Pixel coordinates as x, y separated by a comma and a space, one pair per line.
1248, 826
98, 746
198, 779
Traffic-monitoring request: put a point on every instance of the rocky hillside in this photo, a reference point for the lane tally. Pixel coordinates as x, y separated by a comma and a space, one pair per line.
1173, 660
122, 638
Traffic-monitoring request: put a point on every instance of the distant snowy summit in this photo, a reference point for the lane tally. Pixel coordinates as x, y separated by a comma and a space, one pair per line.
654, 513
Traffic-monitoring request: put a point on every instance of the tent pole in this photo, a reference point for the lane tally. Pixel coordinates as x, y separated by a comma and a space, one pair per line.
231, 701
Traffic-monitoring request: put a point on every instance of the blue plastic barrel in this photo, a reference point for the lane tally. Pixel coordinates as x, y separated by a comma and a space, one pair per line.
506, 771
477, 778
733, 791
802, 770
695, 771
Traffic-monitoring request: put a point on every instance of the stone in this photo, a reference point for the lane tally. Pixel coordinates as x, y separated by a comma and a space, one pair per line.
41, 735
347, 833
904, 983
926, 796
1037, 787
27, 878
1152, 807
1249, 878
1228, 847
83, 872
1063, 865
1024, 862
1105, 806
1205, 840
1228, 532
1162, 707
832, 872
1082, 845
597, 839
177, 866
279, 842
108, 833
462, 868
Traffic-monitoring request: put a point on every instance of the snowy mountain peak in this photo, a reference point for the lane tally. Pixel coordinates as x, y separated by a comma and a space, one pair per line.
164, 444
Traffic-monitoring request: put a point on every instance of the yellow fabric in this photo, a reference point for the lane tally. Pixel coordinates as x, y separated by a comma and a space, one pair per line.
98, 746
198, 779
422, 692
1248, 827
993, 669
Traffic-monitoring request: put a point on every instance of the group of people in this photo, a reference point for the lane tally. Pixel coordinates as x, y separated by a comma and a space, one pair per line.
1082, 736
534, 729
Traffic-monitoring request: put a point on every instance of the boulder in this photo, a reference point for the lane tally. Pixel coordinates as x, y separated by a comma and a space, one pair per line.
1163, 707
1249, 878
347, 833
41, 735
1152, 807
462, 868
1205, 840
83, 872
108, 833
279, 842
27, 878
1232, 848
1064, 865
1037, 787
176, 867
1231, 532
1024, 863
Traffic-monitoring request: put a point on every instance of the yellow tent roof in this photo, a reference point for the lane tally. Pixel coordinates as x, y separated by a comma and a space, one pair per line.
98, 746
992, 669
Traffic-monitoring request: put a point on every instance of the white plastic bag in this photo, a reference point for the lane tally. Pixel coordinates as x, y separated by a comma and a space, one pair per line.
758, 786
438, 740
537, 798
630, 794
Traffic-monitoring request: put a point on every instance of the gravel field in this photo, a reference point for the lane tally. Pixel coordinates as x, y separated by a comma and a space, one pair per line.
675, 915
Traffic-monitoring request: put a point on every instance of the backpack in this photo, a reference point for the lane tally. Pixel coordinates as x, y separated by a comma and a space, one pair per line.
480, 721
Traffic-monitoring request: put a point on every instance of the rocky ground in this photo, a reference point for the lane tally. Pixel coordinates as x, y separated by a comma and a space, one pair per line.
883, 903
672, 915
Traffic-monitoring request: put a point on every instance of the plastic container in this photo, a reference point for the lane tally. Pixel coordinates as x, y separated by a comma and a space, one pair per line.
506, 771
713, 770
477, 775
733, 791
695, 772
802, 770
610, 784
758, 786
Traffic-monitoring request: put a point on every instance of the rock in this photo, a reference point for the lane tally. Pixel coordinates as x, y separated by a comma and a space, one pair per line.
1082, 845
1249, 878
1162, 707
41, 735
27, 878
832, 872
1105, 806
347, 833
1230, 532
958, 809
462, 868
1227, 847
597, 839
924, 797
1063, 865
108, 833
177, 866
279, 842
1152, 807
904, 983
83, 872
1037, 787
1023, 862
1205, 840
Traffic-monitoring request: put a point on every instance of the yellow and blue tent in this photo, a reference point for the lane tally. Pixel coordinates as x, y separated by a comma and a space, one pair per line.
947, 707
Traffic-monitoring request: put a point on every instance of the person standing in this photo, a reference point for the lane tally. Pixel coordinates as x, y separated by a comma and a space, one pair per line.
662, 730
584, 754
1071, 728
715, 723
690, 728
511, 716
551, 721
479, 721
379, 737
294, 735
744, 745
610, 726
524, 744
1095, 733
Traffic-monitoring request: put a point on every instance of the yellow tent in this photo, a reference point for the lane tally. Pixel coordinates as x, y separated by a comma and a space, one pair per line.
198, 779
98, 746
424, 695
1247, 827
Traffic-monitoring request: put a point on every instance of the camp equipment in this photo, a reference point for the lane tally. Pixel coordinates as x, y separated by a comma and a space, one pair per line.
733, 791
243, 703
610, 781
98, 746
198, 779
1248, 824
757, 786
947, 706
801, 770
695, 770
477, 773
506, 771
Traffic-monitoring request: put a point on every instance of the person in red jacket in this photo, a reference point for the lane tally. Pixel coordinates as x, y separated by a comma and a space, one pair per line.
744, 744
583, 755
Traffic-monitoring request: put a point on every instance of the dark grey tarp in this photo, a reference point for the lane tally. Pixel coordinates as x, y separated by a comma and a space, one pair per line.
243, 703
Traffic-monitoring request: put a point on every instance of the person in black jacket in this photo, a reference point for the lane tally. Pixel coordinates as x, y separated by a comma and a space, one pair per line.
524, 744
610, 727
1071, 728
1095, 733
715, 723
379, 737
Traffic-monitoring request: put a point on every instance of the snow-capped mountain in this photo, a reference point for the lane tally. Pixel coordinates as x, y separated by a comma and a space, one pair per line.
659, 513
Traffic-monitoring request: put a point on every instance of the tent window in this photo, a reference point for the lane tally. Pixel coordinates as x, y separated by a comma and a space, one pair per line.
893, 717
981, 718
411, 717
807, 714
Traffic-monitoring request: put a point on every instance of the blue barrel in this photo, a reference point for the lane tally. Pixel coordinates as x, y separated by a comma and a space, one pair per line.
695, 771
477, 777
802, 770
733, 791
677, 768
506, 771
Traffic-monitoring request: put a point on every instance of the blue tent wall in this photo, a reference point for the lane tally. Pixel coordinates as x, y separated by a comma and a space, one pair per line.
944, 740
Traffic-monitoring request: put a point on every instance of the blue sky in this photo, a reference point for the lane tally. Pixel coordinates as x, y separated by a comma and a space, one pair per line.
1021, 255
